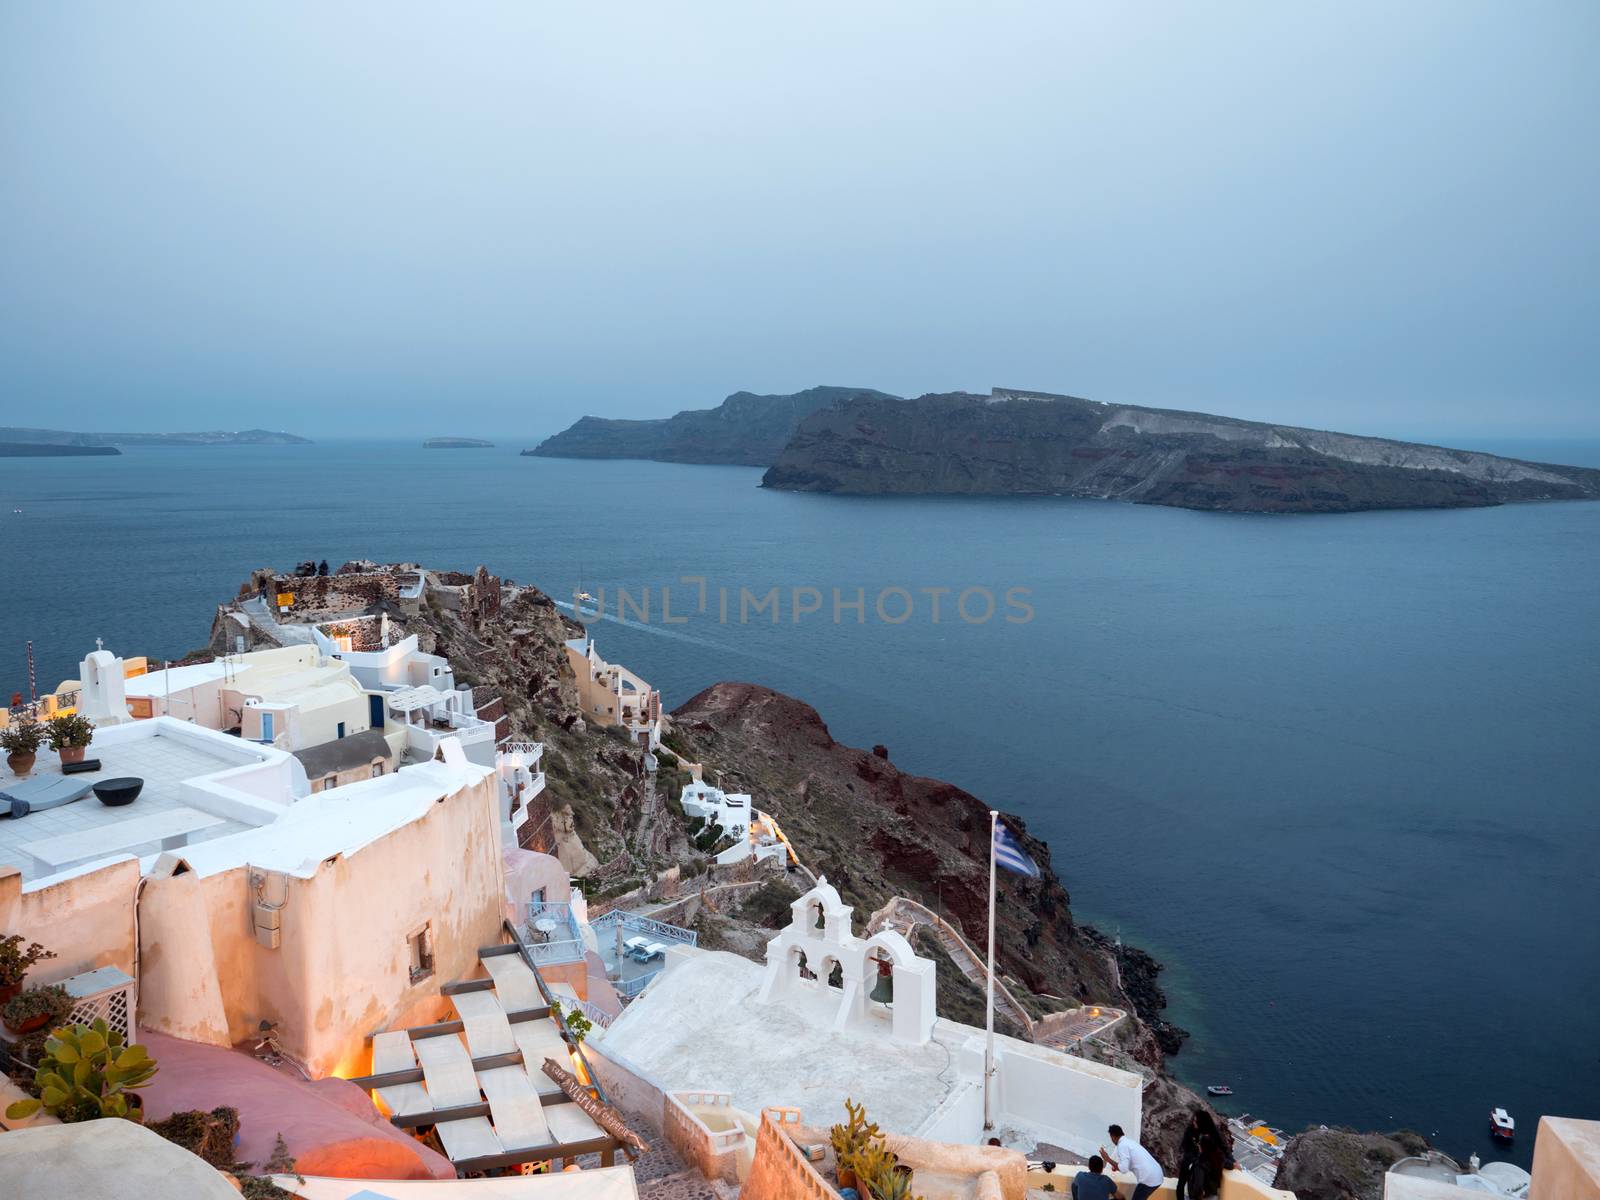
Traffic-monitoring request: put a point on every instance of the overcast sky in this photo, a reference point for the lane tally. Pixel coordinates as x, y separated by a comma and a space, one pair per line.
494, 218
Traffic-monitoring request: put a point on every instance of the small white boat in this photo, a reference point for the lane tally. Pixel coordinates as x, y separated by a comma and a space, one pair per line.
1501, 1125
585, 598
1220, 1089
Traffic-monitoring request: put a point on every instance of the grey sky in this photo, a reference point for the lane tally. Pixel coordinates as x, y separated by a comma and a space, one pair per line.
493, 218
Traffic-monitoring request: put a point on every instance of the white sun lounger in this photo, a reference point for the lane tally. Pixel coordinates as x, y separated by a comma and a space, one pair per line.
513, 982
539, 1040
447, 1067
487, 1030
569, 1123
519, 1116
471, 1138
392, 1052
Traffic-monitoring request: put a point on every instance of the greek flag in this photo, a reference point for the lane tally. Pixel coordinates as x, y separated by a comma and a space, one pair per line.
1008, 852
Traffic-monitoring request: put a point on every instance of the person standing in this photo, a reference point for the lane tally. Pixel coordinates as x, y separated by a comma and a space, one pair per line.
1133, 1158
1205, 1154
1092, 1184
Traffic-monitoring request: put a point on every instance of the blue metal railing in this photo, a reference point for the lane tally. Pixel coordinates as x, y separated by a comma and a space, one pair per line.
648, 926
609, 927
627, 989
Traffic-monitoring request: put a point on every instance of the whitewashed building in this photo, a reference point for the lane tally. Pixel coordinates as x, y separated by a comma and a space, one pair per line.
832, 1015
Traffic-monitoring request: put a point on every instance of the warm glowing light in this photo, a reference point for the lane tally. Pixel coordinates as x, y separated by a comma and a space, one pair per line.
1094, 1012
577, 1068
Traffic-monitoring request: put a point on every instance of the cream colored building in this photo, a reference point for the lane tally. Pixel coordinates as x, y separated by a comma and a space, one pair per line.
613, 695
233, 894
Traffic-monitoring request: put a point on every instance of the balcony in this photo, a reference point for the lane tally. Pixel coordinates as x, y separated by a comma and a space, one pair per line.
634, 949
552, 934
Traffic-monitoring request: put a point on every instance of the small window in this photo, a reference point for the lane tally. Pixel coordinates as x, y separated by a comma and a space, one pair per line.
330, 782
420, 944
341, 728
377, 770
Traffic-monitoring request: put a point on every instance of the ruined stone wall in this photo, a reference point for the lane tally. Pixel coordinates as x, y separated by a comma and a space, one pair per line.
537, 831
335, 594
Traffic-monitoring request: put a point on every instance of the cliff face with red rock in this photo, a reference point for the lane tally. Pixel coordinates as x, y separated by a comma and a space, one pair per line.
876, 832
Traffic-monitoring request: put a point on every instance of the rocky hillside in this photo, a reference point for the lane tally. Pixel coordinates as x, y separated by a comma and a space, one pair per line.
506, 642
1020, 443
876, 831
1340, 1164
744, 430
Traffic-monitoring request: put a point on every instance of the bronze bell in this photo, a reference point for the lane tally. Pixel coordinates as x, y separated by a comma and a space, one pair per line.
883, 987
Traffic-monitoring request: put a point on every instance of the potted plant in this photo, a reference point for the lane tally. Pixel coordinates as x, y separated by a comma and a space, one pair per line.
21, 741
889, 1180
850, 1140
87, 1072
35, 1008
15, 961
70, 736
578, 1025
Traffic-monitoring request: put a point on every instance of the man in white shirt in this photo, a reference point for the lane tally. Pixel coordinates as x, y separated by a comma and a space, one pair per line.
1135, 1160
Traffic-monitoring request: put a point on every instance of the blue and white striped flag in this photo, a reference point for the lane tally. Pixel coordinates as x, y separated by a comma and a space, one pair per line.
1008, 852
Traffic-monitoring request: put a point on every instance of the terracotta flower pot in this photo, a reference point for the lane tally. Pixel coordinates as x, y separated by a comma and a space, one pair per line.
847, 1177
20, 764
72, 754
8, 990
29, 1024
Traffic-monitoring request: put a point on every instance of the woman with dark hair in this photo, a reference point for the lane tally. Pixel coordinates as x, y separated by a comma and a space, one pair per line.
1206, 1152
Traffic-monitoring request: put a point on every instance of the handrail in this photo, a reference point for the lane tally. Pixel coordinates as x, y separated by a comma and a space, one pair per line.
645, 924
627, 989
941, 925
552, 1001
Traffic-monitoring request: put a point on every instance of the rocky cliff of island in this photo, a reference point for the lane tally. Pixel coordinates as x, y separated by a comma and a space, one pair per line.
1030, 443
744, 430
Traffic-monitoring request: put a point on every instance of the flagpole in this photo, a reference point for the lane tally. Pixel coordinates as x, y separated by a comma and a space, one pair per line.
988, 996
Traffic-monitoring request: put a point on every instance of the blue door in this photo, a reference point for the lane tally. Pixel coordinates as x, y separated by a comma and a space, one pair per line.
266, 727
375, 710
341, 728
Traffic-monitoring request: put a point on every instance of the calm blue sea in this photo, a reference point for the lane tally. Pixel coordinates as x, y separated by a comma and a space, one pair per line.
1339, 773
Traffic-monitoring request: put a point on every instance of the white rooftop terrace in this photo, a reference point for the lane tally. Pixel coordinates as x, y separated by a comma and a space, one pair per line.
231, 785
338, 821
700, 1027
174, 679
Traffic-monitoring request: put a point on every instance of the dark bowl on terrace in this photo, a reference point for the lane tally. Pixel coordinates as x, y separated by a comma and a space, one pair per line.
117, 792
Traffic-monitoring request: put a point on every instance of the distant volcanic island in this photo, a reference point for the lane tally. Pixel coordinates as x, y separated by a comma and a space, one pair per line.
59, 443
857, 441
745, 430
457, 443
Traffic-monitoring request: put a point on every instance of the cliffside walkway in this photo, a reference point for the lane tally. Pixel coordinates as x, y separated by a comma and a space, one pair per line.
1064, 1030
904, 913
